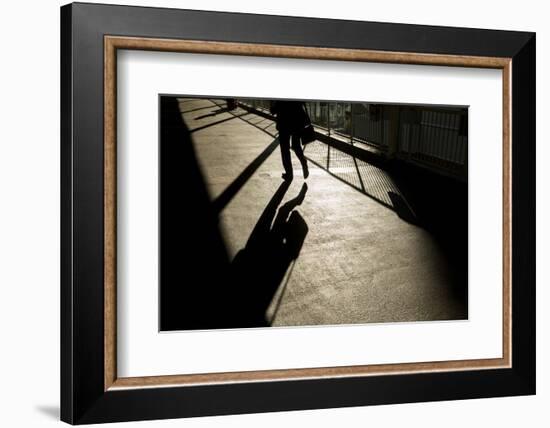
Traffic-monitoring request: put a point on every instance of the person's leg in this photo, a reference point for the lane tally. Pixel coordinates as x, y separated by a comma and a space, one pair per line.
297, 147
284, 144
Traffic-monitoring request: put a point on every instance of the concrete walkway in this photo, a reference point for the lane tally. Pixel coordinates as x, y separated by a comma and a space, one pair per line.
359, 262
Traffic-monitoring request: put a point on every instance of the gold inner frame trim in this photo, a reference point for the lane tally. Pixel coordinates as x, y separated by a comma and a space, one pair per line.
113, 43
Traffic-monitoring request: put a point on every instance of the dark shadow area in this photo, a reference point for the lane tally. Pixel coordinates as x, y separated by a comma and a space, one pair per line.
51, 412
200, 288
440, 205
293, 220
259, 268
193, 256
402, 208
222, 200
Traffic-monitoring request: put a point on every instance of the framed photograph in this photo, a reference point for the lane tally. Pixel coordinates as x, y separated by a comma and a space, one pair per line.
266, 213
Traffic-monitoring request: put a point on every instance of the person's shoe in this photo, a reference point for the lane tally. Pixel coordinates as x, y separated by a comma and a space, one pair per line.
287, 177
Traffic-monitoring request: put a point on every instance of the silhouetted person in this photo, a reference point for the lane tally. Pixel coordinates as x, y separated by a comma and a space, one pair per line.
291, 120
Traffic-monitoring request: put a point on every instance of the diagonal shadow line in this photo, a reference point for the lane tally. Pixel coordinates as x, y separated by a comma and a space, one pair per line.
194, 109
272, 134
208, 125
359, 175
213, 113
221, 201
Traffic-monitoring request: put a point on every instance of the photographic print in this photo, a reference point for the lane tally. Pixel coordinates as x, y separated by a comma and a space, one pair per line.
281, 212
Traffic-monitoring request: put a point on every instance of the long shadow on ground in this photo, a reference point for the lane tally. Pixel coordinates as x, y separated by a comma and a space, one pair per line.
200, 288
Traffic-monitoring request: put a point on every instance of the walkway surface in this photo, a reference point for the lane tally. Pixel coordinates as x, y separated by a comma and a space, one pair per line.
359, 261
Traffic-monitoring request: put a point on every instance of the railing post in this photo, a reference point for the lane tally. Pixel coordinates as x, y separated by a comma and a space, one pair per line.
328, 119
351, 123
393, 131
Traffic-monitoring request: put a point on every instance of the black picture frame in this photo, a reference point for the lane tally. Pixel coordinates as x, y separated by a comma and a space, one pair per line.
83, 396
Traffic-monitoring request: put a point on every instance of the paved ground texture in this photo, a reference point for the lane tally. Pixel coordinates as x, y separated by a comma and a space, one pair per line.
350, 257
